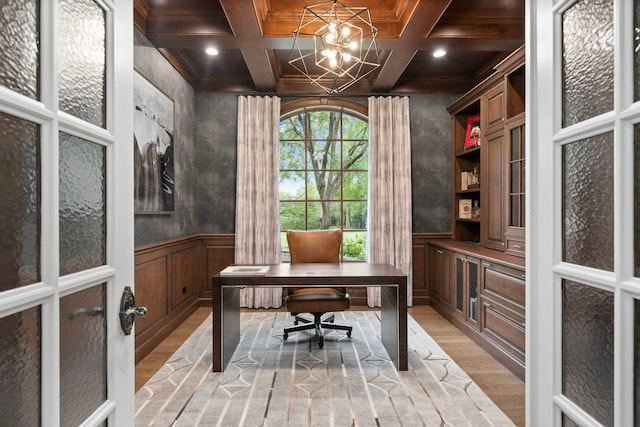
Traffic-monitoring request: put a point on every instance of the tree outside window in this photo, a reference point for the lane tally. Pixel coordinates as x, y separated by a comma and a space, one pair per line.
324, 159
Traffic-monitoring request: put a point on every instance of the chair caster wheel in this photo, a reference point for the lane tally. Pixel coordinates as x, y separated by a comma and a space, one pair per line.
321, 343
348, 334
285, 336
295, 322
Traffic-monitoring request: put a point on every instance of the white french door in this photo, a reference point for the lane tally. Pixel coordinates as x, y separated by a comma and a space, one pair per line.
583, 254
66, 212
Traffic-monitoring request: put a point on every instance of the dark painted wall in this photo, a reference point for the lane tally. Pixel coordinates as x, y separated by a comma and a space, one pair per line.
205, 155
183, 221
216, 115
430, 163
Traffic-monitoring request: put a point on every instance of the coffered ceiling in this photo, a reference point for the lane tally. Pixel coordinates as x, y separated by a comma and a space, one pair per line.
254, 39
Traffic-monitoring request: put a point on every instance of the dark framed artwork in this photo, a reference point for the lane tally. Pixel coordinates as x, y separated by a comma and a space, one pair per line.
153, 148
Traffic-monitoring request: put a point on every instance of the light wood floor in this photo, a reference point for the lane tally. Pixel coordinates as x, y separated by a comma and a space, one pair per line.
503, 387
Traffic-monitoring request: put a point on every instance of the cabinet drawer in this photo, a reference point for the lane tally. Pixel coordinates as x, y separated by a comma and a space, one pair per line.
515, 247
506, 282
501, 327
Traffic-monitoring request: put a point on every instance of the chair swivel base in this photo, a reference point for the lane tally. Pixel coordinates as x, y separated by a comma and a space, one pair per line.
318, 324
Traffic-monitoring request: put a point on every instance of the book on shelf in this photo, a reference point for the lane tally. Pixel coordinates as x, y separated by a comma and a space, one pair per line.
245, 270
464, 181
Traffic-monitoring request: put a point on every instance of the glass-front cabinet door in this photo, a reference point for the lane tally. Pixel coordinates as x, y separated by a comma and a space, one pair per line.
467, 277
516, 186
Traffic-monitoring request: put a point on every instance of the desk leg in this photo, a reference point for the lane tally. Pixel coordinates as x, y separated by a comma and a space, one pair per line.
394, 324
226, 325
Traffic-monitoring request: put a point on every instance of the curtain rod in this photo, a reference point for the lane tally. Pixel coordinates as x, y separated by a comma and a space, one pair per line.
311, 95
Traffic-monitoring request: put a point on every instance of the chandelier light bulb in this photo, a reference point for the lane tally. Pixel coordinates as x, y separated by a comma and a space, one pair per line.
331, 54
353, 45
346, 56
333, 62
332, 27
345, 31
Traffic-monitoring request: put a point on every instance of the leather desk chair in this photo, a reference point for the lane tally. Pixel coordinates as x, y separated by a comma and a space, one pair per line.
312, 247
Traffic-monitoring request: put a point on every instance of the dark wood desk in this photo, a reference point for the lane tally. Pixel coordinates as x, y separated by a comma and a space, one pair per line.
226, 301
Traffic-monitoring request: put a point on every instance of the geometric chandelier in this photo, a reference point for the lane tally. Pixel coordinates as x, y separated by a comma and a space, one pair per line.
344, 45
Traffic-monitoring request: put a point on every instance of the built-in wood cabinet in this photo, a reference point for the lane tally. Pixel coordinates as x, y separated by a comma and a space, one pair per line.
487, 289
440, 274
503, 309
498, 161
484, 274
467, 227
467, 279
515, 228
493, 178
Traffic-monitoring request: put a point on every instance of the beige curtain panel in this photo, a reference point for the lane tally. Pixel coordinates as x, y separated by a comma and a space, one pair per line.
389, 222
257, 212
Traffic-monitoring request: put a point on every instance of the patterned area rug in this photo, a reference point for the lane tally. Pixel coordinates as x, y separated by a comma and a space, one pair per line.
349, 382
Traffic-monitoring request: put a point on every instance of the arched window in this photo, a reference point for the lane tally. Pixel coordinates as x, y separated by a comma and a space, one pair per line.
324, 160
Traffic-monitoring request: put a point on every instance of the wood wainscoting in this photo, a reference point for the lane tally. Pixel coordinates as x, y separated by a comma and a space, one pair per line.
173, 279
166, 282
421, 292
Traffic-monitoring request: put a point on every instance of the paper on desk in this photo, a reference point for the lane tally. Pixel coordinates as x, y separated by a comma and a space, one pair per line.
245, 270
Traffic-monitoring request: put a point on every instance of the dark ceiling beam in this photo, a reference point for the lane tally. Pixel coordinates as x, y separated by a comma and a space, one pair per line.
199, 41
261, 31
245, 25
436, 84
423, 19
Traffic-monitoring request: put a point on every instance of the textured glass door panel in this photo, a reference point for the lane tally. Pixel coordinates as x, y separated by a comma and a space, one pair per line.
20, 202
83, 356
587, 53
587, 196
82, 60
20, 370
587, 349
568, 422
636, 5
636, 198
19, 50
636, 391
82, 204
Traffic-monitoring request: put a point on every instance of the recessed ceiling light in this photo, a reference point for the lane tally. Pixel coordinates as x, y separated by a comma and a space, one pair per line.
439, 53
211, 51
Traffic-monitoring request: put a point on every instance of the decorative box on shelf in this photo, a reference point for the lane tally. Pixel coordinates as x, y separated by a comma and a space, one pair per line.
464, 208
469, 180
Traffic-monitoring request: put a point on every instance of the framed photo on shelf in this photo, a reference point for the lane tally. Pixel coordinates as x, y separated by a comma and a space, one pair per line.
472, 137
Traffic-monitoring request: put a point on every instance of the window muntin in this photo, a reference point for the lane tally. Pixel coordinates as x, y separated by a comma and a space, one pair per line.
324, 157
